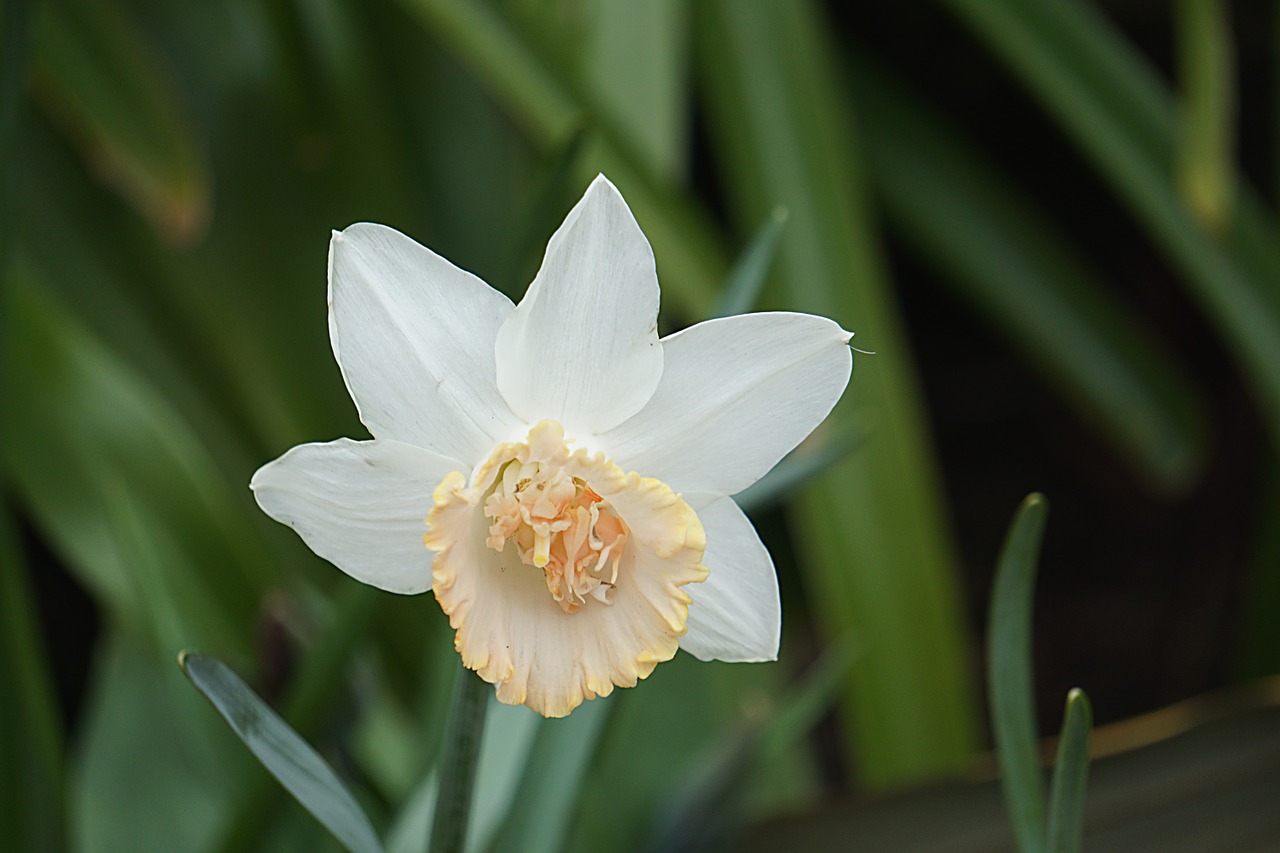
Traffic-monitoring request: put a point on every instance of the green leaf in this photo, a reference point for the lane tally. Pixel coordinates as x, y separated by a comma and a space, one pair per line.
308, 704
872, 535
32, 741
634, 68
104, 82
1206, 119
1066, 798
1000, 252
288, 757
746, 279
1009, 675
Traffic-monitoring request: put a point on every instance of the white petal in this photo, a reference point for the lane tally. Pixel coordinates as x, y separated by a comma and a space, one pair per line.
737, 394
414, 337
582, 346
736, 615
361, 505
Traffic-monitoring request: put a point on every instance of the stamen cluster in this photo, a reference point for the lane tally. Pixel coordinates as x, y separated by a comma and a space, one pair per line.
561, 525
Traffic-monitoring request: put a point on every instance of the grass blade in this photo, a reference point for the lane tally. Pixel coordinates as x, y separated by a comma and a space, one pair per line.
1009, 677
872, 535
635, 69
746, 279
289, 758
1205, 162
1070, 772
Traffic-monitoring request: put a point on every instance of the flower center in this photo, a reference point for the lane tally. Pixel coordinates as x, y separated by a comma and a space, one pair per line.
560, 525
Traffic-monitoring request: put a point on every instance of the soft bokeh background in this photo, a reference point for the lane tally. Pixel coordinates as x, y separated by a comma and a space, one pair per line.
1054, 222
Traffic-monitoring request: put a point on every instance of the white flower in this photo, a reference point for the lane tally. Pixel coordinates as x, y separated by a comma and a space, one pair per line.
569, 470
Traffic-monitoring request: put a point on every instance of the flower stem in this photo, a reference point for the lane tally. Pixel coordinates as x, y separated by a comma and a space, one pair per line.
458, 762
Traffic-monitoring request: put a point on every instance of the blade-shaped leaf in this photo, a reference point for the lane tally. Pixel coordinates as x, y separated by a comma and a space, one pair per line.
1009, 676
635, 68
297, 766
872, 536
1205, 163
746, 279
1066, 797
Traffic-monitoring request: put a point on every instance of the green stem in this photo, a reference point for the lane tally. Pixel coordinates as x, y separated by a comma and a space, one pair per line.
458, 763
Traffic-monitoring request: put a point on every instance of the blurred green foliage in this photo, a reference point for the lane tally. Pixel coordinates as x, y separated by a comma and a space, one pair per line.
171, 175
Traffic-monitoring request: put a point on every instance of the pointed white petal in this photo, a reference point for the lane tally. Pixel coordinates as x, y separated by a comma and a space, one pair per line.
414, 337
737, 394
582, 346
736, 615
361, 505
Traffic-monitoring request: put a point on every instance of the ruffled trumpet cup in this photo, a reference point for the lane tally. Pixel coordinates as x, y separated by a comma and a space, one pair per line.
555, 473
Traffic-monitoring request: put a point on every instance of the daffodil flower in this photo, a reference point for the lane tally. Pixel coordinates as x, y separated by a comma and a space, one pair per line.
557, 474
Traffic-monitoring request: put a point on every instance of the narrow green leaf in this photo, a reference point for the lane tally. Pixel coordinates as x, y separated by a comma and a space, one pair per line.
555, 772
288, 757
746, 279
310, 698
105, 83
32, 741
872, 534
1002, 253
1009, 677
1070, 773
635, 69
1206, 119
